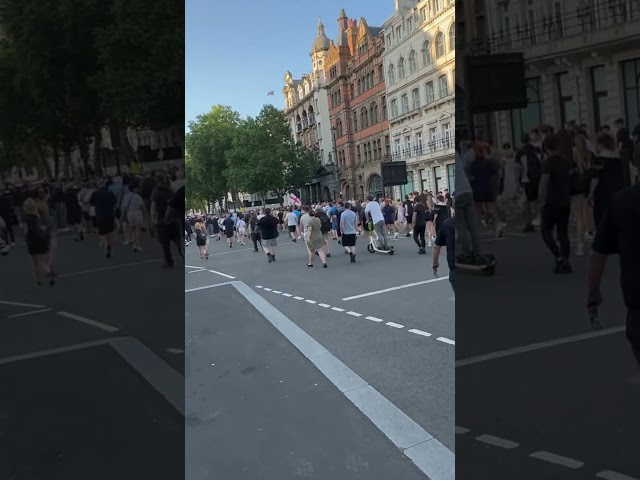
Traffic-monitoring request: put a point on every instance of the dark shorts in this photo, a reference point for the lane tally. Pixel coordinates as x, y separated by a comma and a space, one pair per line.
292, 228
389, 222
409, 220
531, 192
228, 234
105, 226
349, 240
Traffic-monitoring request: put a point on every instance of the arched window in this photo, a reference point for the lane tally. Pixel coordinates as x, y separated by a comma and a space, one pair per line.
439, 45
391, 75
373, 113
312, 118
401, 71
355, 121
412, 62
339, 97
426, 53
430, 93
305, 122
298, 123
364, 118
452, 37
338, 128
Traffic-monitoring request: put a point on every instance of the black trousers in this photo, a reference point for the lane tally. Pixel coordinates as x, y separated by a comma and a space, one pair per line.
633, 332
167, 234
256, 238
556, 218
418, 235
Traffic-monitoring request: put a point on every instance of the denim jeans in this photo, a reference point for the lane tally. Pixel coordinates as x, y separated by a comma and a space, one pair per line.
381, 231
467, 230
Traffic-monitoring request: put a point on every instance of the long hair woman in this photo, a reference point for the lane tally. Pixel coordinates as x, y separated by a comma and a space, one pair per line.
431, 229
201, 239
38, 239
609, 177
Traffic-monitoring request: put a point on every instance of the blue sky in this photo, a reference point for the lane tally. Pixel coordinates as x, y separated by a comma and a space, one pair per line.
237, 51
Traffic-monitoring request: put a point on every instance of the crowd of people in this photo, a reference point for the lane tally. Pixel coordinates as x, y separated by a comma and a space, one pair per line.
136, 206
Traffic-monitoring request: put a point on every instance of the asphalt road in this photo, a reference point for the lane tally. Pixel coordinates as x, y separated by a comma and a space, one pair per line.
400, 342
564, 405
92, 367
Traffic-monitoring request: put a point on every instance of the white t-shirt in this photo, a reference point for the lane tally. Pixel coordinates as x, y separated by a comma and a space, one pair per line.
373, 209
132, 202
292, 219
304, 221
241, 225
400, 210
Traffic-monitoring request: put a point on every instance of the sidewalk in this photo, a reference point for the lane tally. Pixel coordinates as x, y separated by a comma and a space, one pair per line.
257, 408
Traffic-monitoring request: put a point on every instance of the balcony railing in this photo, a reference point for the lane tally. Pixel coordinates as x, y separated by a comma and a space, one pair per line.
585, 18
430, 147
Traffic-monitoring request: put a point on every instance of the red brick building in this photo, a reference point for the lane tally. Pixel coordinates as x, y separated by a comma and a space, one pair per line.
354, 74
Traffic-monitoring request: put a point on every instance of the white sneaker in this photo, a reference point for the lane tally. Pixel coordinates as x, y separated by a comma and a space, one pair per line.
395, 236
580, 249
429, 243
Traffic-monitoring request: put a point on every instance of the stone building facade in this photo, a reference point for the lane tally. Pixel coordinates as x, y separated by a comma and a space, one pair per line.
306, 107
419, 61
582, 61
357, 106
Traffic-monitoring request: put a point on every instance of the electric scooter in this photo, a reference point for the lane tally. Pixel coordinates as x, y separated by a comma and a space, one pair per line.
373, 246
484, 263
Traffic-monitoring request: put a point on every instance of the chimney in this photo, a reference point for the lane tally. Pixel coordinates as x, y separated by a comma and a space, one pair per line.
352, 36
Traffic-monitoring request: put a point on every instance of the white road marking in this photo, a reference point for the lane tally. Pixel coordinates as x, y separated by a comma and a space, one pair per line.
32, 312
324, 305
392, 289
311, 301
104, 269
258, 286
354, 314
18, 304
88, 321
462, 430
237, 250
611, 475
394, 325
446, 340
198, 271
195, 289
538, 346
374, 319
497, 442
337, 309
267, 289
299, 298
175, 351
420, 332
277, 292
287, 295
557, 459
191, 266
222, 274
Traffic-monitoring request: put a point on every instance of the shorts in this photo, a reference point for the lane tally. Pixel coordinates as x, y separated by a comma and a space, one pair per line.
531, 192
135, 218
105, 226
349, 240
228, 234
292, 229
409, 220
271, 242
389, 222
242, 231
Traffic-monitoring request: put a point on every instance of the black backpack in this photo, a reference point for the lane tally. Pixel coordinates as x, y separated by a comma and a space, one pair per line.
325, 222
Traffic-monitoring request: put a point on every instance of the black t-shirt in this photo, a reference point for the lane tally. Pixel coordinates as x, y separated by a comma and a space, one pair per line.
228, 224
443, 213
178, 203
447, 238
104, 202
421, 214
408, 208
268, 226
161, 197
619, 233
559, 190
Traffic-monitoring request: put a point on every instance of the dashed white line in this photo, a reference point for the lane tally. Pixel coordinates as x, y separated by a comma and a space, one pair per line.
222, 274
557, 459
374, 319
198, 271
287, 295
497, 442
267, 289
337, 309
324, 305
277, 292
354, 314
32, 312
18, 304
313, 302
298, 298
88, 321
611, 475
259, 286
420, 332
446, 340
394, 325
175, 351
462, 430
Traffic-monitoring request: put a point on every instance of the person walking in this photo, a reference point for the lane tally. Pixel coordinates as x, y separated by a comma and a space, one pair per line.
268, 226
315, 239
349, 229
201, 239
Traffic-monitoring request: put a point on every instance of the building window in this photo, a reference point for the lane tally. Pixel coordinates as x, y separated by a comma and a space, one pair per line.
405, 103
423, 14
424, 181
407, 145
391, 75
384, 108
438, 5
415, 96
451, 177
397, 151
338, 128
355, 121
631, 86
419, 143
409, 25
437, 177
452, 37
353, 91
426, 53
439, 45
399, 33
525, 119
380, 73
373, 113
446, 135
433, 138
430, 93
412, 62
401, 70
389, 40
394, 108
364, 118
599, 94
442, 83
568, 106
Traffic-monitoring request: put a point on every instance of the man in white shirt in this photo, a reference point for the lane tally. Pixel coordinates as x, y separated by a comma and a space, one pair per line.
292, 224
372, 210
